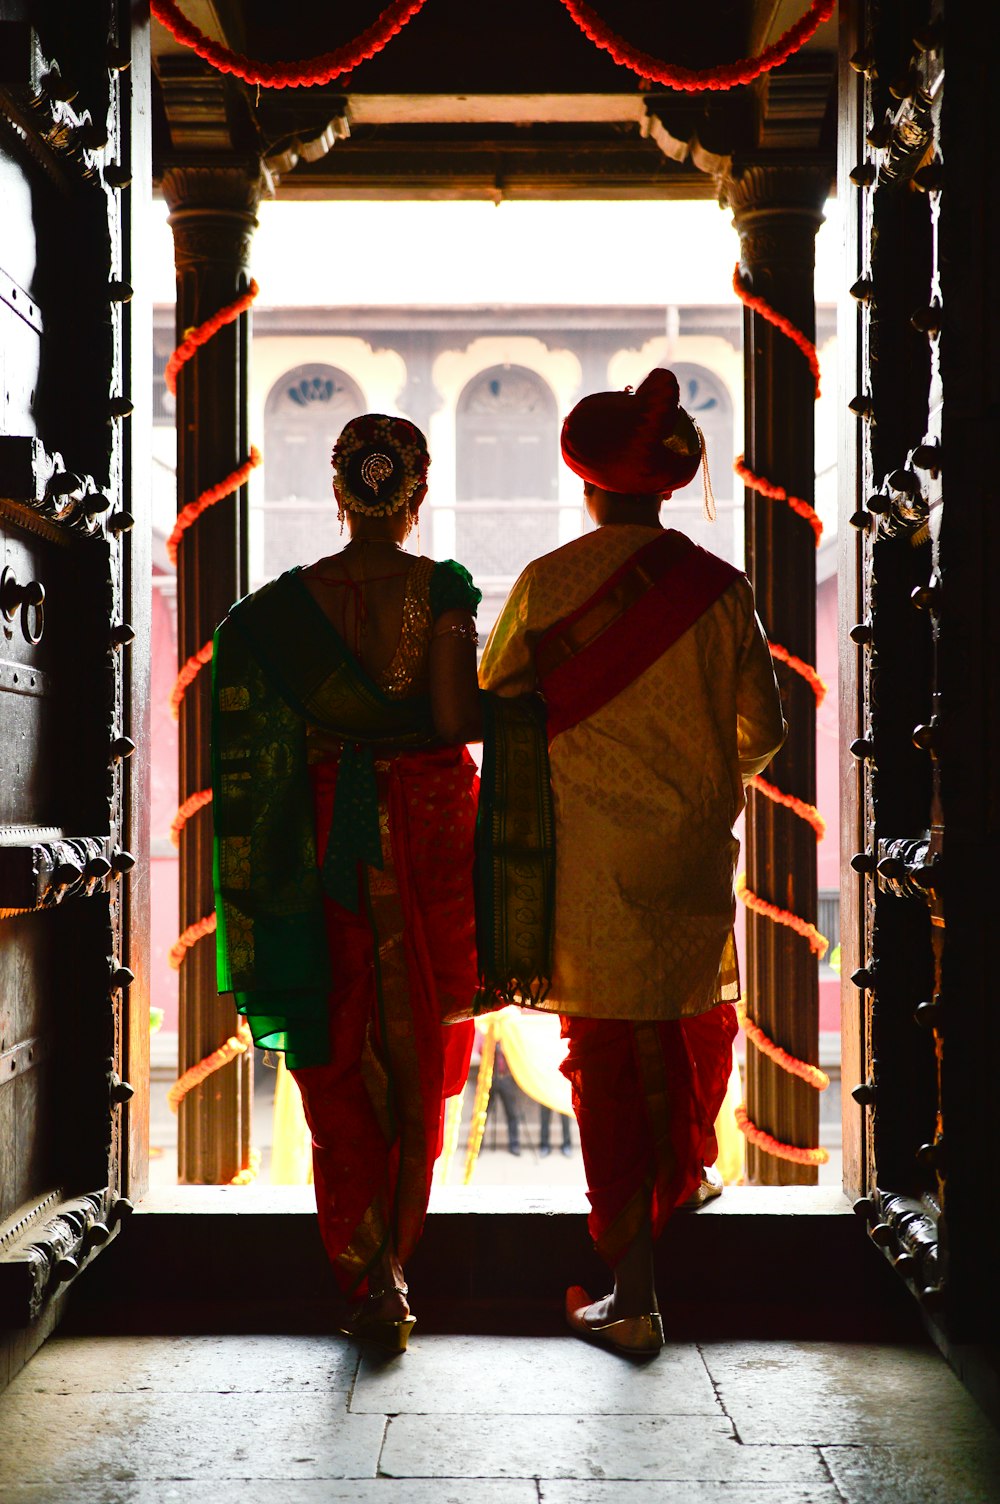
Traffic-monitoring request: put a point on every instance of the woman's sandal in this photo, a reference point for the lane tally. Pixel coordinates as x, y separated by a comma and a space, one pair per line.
390, 1336
636, 1336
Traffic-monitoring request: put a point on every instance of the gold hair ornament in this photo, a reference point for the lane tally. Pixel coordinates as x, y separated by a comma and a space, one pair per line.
377, 468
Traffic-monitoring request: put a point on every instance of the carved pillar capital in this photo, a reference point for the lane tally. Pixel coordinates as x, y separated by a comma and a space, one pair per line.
777, 208
213, 210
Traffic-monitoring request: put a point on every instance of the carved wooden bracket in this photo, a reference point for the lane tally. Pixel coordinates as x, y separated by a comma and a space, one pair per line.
38, 874
906, 1230
46, 1245
32, 477
38, 101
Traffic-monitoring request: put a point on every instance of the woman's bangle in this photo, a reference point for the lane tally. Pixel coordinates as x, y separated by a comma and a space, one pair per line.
460, 630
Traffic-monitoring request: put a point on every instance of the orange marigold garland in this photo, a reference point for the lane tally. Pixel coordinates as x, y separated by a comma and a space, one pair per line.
810, 1074
692, 80
189, 514
818, 943
250, 1171
187, 676
800, 807
192, 804
202, 333
778, 493
189, 937
288, 75
774, 1146
802, 668
236, 1044
790, 330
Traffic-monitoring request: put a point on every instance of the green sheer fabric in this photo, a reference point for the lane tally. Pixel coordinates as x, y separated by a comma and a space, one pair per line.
279, 664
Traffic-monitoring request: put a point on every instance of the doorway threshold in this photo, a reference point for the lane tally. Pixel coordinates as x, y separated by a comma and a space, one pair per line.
784, 1261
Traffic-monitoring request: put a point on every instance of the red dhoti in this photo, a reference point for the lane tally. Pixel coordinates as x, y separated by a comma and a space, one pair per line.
402, 963
646, 1096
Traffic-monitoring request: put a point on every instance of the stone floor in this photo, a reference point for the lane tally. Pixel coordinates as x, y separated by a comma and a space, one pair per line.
481, 1420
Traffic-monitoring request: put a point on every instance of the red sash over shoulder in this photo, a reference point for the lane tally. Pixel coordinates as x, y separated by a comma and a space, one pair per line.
590, 656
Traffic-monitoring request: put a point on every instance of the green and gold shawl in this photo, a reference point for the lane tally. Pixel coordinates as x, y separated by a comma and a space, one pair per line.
279, 665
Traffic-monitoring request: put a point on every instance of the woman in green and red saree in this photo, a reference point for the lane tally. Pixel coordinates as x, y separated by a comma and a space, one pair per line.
661, 703
345, 806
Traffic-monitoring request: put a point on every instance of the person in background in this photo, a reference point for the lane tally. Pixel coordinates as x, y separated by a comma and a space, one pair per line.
345, 807
545, 1132
660, 704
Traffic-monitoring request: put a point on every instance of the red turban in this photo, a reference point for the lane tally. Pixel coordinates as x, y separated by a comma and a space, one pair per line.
640, 443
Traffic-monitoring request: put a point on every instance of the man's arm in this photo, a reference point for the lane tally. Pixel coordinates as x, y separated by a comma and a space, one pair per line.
760, 725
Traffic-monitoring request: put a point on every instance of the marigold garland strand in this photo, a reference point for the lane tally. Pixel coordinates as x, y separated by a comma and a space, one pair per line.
187, 676
202, 333
288, 75
800, 807
818, 943
329, 65
236, 1044
810, 1074
802, 668
788, 329
223, 488
250, 1171
778, 493
192, 804
189, 937
692, 80
771, 1145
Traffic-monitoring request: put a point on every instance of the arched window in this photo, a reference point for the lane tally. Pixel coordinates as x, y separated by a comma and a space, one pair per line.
304, 413
507, 446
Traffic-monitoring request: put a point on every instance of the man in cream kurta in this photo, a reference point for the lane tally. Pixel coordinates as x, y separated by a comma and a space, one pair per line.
646, 793
662, 704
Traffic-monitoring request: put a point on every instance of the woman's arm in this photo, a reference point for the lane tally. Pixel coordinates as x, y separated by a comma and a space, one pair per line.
454, 686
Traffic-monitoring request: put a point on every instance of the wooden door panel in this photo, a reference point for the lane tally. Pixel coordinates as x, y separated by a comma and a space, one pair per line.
71, 597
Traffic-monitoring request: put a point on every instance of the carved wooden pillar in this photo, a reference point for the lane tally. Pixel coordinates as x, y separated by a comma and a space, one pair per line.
777, 211
213, 217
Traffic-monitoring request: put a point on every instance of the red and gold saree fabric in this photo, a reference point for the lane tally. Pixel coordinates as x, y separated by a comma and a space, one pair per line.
344, 839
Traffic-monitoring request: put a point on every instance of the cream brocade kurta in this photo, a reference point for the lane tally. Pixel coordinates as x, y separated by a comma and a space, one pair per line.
646, 793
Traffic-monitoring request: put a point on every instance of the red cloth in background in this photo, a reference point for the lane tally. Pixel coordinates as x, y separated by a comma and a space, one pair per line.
646, 1096
376, 1111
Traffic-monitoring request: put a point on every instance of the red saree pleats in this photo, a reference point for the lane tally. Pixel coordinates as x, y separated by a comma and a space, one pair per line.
646, 1096
402, 963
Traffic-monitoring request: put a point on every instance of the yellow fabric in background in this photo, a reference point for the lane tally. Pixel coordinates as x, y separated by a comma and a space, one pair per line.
534, 1051
291, 1141
732, 1161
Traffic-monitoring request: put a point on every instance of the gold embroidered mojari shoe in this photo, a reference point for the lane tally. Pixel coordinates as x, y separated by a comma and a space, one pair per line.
390, 1336
710, 1186
635, 1336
